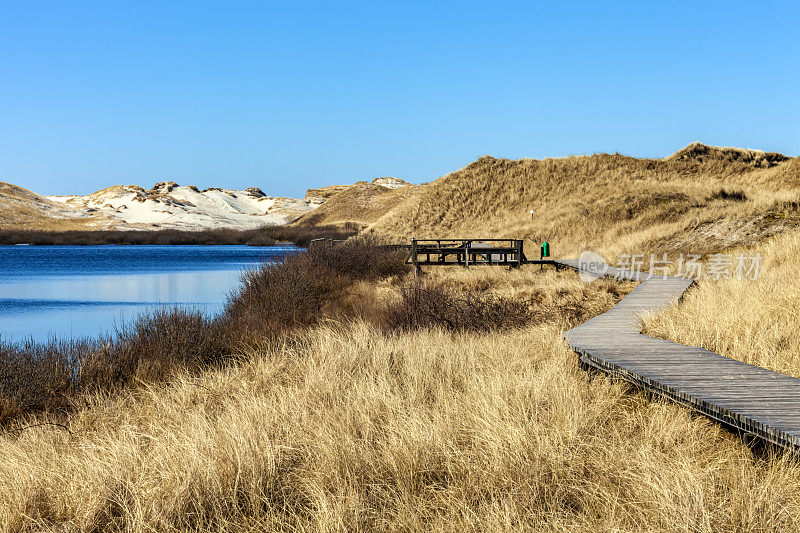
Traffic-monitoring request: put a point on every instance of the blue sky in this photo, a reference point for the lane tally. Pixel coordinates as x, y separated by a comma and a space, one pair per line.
291, 95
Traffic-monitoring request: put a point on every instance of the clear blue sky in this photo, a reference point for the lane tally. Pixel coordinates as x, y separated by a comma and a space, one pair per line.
292, 95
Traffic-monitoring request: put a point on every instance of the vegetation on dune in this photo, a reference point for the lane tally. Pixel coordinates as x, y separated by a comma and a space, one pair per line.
307, 287
361, 204
22, 208
611, 203
481, 300
344, 425
301, 235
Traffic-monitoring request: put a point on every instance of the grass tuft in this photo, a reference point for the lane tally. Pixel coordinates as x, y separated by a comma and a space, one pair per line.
724, 194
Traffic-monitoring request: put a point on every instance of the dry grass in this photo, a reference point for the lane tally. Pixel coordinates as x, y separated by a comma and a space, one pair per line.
24, 209
361, 203
348, 428
492, 298
752, 321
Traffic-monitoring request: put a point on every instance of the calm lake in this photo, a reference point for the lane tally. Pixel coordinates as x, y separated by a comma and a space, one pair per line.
80, 291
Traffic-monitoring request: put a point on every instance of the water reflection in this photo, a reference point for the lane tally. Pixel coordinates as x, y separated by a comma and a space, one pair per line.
35, 302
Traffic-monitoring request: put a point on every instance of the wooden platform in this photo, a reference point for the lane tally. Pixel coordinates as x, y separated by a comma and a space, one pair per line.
755, 401
466, 252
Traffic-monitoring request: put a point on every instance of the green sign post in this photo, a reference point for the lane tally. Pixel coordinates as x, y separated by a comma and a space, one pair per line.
545, 250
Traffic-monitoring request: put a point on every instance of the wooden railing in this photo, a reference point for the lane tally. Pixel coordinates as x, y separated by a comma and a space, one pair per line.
466, 252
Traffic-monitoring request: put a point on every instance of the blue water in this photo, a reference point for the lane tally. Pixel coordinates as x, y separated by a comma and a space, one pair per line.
87, 291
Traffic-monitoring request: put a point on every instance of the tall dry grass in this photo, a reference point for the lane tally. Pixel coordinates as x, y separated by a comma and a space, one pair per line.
348, 428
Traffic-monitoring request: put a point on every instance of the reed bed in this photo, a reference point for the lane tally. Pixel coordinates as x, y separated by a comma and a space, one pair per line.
301, 235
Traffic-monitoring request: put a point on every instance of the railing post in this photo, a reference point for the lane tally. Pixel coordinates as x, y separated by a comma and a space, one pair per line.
466, 254
414, 258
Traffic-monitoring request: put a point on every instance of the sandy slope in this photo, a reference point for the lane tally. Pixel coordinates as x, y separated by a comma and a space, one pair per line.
700, 199
20, 207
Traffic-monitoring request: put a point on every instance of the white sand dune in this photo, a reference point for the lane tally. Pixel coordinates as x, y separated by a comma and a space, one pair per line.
169, 205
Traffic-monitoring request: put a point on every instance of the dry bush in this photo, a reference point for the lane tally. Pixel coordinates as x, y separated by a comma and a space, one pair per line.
549, 295
496, 298
424, 305
724, 194
155, 346
49, 377
302, 289
266, 236
303, 234
727, 155
39, 377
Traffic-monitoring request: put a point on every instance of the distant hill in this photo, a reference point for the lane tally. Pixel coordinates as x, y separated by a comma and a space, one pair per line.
361, 203
169, 205
680, 202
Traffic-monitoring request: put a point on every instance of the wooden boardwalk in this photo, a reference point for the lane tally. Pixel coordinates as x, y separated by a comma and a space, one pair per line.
750, 399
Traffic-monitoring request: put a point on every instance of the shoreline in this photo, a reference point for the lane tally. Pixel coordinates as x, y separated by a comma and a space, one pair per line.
265, 236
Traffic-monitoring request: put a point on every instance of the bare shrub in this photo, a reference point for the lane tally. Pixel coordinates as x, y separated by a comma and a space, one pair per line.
724, 194
38, 376
156, 345
297, 291
432, 305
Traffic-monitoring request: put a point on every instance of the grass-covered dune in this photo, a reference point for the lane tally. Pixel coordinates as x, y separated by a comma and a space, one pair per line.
702, 197
755, 321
